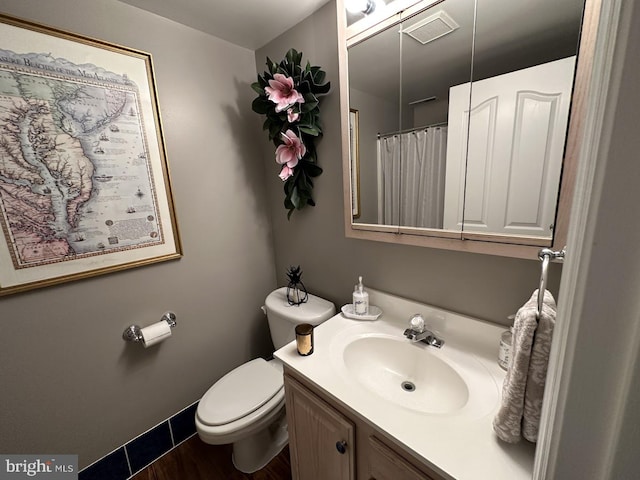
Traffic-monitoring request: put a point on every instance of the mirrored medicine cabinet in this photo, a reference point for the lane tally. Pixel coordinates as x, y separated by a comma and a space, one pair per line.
460, 121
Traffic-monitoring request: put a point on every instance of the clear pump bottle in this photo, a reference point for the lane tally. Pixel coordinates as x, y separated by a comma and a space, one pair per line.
360, 299
506, 340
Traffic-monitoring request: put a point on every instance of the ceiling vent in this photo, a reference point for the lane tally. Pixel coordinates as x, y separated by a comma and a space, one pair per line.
431, 28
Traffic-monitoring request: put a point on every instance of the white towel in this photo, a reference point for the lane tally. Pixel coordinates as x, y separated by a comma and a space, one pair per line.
523, 387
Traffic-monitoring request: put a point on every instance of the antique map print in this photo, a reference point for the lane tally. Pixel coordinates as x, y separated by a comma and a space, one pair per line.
74, 177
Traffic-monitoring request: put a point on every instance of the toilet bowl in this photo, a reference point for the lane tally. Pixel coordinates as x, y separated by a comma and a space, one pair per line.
246, 406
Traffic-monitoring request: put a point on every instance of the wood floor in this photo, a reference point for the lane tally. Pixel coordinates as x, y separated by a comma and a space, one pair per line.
195, 460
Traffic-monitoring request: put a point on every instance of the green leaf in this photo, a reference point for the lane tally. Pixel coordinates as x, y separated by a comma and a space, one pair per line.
291, 55
295, 199
312, 169
308, 106
322, 89
310, 102
304, 87
273, 67
287, 202
318, 77
288, 185
294, 57
257, 88
306, 191
309, 130
260, 105
305, 119
274, 131
264, 81
291, 182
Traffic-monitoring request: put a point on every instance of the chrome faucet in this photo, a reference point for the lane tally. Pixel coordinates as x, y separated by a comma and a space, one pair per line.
417, 332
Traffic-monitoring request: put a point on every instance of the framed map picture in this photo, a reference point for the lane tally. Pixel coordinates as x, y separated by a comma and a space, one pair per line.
84, 182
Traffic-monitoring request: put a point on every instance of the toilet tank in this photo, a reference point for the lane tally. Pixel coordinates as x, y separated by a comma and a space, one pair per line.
283, 317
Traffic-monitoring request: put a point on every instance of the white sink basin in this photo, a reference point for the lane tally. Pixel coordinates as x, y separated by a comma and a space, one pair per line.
379, 361
409, 375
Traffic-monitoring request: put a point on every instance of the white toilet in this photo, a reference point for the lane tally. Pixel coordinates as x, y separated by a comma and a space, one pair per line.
246, 406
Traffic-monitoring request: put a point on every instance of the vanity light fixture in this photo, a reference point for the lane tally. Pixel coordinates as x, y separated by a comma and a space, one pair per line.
365, 7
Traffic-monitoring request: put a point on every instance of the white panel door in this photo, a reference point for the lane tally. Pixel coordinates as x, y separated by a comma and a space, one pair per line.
514, 134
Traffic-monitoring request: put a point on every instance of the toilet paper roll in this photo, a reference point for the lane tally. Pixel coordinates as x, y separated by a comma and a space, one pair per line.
155, 333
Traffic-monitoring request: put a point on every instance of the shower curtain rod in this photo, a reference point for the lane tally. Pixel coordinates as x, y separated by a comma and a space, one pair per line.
409, 130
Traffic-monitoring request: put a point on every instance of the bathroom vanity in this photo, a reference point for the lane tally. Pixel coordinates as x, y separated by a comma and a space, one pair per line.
370, 404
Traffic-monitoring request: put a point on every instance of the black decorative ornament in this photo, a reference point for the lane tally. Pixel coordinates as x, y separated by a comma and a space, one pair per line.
296, 291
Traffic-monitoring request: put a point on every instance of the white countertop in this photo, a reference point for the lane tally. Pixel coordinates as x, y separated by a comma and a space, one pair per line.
460, 445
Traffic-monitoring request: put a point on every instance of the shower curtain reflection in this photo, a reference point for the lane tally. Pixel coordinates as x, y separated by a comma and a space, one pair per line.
411, 174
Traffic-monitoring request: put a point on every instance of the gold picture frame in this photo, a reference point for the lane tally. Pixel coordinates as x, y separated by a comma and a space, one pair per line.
84, 179
354, 155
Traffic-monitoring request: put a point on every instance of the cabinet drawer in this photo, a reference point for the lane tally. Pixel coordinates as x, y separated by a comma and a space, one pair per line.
385, 464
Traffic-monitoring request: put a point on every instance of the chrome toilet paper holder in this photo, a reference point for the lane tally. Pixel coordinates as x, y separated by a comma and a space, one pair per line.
133, 332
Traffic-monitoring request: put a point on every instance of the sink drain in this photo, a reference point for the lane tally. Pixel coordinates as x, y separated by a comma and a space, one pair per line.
408, 386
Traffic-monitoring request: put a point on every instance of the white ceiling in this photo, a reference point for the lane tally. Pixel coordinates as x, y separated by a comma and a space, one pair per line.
248, 23
498, 36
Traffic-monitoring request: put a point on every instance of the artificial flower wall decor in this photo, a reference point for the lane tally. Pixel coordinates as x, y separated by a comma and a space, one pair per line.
288, 96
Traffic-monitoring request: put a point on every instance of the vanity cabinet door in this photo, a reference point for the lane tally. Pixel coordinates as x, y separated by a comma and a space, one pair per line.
385, 464
321, 439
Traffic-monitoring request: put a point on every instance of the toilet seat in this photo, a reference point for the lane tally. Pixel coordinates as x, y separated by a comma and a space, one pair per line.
254, 417
242, 395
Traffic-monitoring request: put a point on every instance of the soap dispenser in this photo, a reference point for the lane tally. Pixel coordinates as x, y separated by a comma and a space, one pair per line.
360, 299
506, 343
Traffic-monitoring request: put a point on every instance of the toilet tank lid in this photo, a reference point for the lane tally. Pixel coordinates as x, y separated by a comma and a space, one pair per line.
314, 311
240, 392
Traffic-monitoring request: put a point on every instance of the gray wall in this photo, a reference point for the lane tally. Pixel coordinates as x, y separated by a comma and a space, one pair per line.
69, 384
480, 285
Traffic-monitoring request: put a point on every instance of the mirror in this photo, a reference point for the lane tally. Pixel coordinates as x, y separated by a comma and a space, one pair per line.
461, 135
375, 101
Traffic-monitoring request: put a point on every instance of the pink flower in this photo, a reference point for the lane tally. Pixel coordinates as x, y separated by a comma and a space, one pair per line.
286, 172
282, 93
292, 116
291, 151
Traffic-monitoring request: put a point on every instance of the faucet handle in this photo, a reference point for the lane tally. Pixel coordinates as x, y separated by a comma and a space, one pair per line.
417, 323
